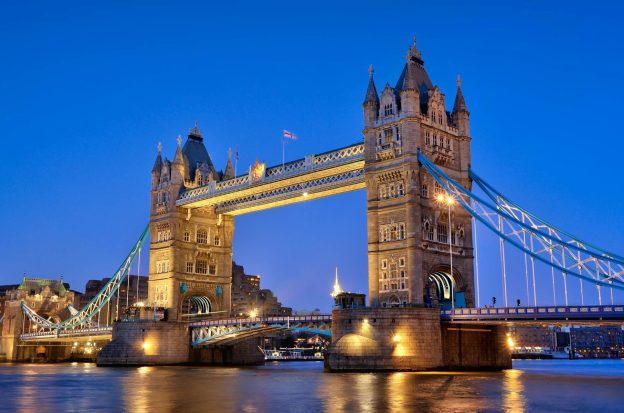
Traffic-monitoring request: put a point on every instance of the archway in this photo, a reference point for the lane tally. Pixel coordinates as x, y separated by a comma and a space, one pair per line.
196, 305
444, 290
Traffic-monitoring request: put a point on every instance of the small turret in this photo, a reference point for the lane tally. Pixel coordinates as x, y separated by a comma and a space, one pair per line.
157, 166
371, 102
461, 116
228, 173
410, 96
179, 168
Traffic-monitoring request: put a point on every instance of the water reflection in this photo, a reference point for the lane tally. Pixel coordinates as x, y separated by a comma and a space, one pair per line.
304, 387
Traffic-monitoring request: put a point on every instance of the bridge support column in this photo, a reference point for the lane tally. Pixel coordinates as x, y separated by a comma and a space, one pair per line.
413, 339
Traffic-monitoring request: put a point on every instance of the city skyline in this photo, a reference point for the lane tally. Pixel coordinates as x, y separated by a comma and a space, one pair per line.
95, 193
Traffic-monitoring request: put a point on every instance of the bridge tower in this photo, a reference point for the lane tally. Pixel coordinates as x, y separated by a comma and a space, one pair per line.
408, 228
190, 267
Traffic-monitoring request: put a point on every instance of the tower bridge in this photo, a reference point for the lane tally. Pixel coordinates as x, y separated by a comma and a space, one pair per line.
422, 213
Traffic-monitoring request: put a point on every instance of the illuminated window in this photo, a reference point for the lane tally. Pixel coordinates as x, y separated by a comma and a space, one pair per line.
201, 266
202, 236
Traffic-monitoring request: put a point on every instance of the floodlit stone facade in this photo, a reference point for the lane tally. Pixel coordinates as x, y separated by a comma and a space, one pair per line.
408, 229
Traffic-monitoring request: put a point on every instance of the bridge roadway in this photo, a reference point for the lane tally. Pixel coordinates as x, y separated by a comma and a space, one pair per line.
227, 330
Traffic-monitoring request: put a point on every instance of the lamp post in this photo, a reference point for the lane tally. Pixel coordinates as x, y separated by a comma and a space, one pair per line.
448, 200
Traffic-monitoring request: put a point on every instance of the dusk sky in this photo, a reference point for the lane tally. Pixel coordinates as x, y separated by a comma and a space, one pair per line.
88, 89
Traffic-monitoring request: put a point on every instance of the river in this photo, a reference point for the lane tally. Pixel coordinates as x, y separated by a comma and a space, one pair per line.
533, 385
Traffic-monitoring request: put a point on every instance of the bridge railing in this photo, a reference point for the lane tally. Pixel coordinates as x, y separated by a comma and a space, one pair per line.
262, 320
576, 312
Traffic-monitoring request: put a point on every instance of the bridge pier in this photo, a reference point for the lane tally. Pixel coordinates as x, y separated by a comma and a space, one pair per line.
412, 339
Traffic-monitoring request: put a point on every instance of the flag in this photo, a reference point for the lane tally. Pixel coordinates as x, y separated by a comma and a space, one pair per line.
237, 152
289, 135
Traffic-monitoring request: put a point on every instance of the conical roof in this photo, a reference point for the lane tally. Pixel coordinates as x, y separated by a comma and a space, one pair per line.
371, 91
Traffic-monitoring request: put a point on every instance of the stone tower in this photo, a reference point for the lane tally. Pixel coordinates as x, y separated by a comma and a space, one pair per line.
190, 267
408, 231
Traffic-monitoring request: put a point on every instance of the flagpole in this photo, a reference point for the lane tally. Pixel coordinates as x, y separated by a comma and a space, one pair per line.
283, 150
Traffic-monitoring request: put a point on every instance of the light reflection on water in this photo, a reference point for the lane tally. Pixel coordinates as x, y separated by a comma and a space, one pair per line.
578, 385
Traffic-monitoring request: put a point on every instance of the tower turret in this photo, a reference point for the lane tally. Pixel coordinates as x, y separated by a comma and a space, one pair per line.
461, 116
228, 173
179, 168
371, 102
410, 96
157, 167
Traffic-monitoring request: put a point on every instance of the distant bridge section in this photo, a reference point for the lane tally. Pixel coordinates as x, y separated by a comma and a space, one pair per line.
230, 330
595, 315
79, 334
312, 177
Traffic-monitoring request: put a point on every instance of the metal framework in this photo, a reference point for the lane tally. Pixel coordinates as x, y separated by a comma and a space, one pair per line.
83, 318
232, 329
533, 236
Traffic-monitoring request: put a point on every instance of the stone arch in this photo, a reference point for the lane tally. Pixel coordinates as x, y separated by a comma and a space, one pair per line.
195, 302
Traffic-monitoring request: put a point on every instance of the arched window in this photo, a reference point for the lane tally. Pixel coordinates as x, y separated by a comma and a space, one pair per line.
202, 236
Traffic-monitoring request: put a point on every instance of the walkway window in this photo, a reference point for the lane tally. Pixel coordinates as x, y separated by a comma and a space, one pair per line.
202, 236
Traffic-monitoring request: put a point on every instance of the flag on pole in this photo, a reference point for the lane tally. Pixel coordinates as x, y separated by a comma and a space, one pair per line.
237, 152
289, 135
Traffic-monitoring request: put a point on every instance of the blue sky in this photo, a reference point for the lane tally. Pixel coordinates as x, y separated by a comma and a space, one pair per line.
89, 88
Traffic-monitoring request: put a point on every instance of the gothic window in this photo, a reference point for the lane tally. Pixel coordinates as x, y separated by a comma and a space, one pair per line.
401, 231
442, 232
402, 262
212, 269
387, 234
384, 275
424, 191
379, 141
387, 135
403, 288
437, 188
435, 140
384, 264
402, 273
217, 240
397, 134
429, 231
448, 143
382, 192
163, 233
440, 118
433, 118
400, 189
388, 109
202, 236
393, 232
393, 286
427, 138
189, 266
162, 266
187, 236
201, 266
393, 270
391, 191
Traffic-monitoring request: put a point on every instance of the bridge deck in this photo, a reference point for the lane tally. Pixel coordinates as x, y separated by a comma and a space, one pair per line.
605, 314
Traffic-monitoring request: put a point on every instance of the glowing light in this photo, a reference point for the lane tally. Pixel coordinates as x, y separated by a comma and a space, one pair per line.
510, 341
445, 199
253, 313
337, 289
305, 194
140, 304
396, 338
145, 345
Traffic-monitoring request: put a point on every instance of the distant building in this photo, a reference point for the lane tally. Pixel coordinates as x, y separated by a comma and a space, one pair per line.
598, 341
48, 298
247, 296
533, 336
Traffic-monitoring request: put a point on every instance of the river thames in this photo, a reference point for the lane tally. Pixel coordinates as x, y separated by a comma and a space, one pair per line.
533, 385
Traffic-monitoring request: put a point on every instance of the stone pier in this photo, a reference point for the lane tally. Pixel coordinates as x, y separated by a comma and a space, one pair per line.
412, 339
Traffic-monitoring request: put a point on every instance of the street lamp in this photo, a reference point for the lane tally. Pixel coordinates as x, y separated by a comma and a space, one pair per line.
449, 201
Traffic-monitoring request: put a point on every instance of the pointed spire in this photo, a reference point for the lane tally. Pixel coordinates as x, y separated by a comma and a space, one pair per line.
410, 81
158, 161
228, 173
460, 102
179, 155
371, 92
195, 133
413, 53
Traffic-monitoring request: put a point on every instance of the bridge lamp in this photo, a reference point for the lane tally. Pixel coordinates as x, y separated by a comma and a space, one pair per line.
396, 338
145, 346
305, 194
510, 341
